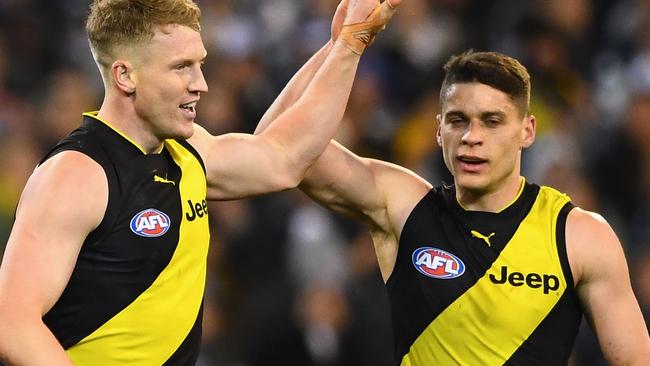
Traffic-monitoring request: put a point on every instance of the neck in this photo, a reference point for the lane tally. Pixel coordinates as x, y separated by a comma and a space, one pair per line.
490, 201
121, 117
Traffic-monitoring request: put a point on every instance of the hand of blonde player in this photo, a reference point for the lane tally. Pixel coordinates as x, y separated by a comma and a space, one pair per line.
359, 31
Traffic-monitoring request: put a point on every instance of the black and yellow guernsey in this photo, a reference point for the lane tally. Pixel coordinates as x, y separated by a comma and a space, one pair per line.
135, 294
481, 288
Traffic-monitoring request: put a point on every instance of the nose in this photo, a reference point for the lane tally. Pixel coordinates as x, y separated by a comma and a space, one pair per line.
473, 134
198, 84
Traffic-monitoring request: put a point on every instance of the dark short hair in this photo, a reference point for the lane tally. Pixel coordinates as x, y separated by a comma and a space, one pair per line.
494, 69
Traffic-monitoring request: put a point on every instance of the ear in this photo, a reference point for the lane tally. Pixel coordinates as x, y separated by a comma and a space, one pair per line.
438, 136
122, 74
528, 131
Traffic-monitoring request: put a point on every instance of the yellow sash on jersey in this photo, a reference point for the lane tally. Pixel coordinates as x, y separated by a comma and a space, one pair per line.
150, 329
489, 322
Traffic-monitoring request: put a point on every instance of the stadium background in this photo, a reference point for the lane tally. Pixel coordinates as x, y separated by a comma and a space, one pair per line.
290, 283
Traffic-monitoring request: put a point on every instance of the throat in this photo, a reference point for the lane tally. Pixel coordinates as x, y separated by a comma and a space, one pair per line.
489, 201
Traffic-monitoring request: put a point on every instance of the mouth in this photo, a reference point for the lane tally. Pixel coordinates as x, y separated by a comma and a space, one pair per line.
189, 109
471, 163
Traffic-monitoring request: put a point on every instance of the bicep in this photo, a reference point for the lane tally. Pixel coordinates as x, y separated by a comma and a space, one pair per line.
603, 285
378, 191
62, 202
344, 182
240, 165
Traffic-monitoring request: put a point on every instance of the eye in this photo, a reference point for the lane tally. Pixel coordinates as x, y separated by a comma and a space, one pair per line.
182, 65
492, 122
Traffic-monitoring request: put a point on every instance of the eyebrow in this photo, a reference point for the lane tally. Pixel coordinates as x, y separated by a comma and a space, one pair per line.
455, 114
187, 61
483, 115
488, 114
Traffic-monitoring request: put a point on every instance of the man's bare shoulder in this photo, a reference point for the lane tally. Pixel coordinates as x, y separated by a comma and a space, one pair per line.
69, 178
587, 225
590, 239
68, 166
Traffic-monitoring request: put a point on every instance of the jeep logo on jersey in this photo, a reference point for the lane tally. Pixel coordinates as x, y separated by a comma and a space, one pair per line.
548, 282
150, 223
437, 263
199, 209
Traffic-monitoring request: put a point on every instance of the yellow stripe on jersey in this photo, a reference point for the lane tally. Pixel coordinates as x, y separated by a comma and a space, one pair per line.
490, 321
153, 326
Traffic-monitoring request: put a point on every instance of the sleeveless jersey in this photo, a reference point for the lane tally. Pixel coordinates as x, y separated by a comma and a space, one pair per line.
481, 288
135, 294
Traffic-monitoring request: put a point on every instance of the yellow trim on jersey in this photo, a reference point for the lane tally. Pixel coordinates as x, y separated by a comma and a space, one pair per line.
486, 325
150, 329
521, 189
95, 116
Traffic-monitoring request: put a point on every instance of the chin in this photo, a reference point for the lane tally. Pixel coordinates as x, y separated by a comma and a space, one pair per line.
471, 183
188, 134
185, 132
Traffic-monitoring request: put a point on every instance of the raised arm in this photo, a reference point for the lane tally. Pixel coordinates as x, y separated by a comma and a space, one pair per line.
352, 185
322, 178
63, 201
603, 285
240, 165
380, 193
349, 184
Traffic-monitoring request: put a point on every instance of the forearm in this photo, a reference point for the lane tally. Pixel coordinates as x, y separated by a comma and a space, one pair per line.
24, 343
295, 88
303, 131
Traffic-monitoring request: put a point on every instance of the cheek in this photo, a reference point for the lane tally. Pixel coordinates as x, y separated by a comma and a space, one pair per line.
162, 101
155, 105
448, 149
508, 151
163, 86
446, 138
444, 143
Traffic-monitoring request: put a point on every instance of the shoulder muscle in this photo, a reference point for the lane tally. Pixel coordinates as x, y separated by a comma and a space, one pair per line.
590, 240
63, 201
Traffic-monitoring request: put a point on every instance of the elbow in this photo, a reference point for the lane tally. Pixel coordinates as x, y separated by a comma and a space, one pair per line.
290, 173
294, 181
288, 180
289, 165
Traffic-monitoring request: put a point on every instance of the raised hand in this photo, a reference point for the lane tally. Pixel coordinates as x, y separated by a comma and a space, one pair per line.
363, 20
359, 10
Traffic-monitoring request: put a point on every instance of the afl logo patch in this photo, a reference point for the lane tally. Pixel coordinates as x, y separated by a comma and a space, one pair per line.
437, 263
150, 223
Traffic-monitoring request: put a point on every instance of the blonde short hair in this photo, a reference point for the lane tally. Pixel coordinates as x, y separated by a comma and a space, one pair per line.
114, 23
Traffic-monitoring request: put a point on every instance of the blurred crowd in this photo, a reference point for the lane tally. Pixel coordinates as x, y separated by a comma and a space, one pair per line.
290, 283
